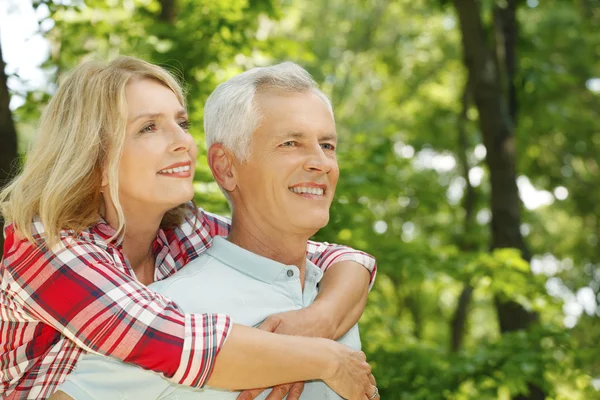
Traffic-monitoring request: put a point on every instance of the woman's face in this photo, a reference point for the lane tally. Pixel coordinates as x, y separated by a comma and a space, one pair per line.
159, 154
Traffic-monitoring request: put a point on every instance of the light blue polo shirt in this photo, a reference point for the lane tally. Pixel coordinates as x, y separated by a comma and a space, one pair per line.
225, 279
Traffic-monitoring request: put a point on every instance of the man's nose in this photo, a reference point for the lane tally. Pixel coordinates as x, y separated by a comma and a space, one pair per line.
317, 160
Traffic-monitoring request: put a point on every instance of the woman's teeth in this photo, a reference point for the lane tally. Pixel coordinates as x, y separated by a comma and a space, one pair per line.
309, 190
184, 168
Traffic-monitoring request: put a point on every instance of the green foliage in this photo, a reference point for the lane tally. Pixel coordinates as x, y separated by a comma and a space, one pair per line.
394, 71
492, 371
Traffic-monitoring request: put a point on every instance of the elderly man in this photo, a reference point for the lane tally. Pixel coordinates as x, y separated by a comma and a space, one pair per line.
272, 150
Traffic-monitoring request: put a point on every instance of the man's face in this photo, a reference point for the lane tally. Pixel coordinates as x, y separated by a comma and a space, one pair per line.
290, 178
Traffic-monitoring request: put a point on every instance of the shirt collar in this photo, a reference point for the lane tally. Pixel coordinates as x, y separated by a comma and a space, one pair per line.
105, 231
252, 264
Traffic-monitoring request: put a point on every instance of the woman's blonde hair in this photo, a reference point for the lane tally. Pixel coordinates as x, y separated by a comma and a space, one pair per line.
81, 132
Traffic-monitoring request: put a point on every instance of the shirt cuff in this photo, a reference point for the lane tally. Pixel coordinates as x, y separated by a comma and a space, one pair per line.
205, 335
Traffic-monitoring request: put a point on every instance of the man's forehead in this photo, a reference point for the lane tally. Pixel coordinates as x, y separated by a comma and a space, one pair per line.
294, 115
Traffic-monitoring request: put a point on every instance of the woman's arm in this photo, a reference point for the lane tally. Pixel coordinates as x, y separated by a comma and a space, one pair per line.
349, 274
324, 255
342, 297
283, 358
251, 358
338, 307
77, 290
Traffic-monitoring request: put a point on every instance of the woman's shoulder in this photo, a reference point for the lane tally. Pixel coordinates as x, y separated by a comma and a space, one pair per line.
201, 224
194, 234
91, 242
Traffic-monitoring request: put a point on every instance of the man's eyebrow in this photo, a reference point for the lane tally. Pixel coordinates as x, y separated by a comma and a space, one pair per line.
290, 135
180, 112
301, 135
329, 136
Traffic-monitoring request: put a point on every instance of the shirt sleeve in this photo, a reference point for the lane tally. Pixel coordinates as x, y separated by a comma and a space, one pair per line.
76, 288
324, 255
321, 254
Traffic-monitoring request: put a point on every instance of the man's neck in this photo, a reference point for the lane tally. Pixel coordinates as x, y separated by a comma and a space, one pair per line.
267, 242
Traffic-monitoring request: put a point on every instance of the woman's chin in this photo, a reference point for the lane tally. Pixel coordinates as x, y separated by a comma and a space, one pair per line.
181, 201
172, 203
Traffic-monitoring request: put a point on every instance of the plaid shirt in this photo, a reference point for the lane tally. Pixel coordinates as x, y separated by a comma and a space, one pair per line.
82, 295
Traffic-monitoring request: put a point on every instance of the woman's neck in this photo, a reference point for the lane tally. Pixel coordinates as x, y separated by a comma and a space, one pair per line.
140, 232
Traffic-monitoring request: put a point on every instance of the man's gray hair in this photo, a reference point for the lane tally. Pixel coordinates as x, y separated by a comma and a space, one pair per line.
231, 114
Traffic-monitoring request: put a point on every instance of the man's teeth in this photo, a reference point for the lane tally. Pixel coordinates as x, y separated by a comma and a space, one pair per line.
309, 190
184, 168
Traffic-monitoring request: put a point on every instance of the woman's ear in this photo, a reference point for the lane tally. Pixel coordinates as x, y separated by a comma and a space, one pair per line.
220, 161
104, 181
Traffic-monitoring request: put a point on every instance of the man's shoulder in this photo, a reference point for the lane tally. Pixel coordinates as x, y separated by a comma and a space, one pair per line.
197, 266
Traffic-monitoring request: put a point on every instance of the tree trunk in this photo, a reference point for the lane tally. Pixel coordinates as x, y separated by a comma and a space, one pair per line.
458, 324
497, 128
459, 320
506, 27
168, 11
8, 140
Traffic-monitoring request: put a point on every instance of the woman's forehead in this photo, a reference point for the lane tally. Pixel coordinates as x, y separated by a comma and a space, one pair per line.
151, 97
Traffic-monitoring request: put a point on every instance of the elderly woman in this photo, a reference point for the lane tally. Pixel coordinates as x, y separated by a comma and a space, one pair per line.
101, 210
282, 165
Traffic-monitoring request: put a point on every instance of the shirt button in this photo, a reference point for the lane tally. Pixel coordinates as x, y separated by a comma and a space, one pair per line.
290, 273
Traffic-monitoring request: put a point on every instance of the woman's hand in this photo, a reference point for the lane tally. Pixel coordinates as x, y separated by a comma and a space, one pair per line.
309, 322
351, 376
292, 390
374, 393
60, 395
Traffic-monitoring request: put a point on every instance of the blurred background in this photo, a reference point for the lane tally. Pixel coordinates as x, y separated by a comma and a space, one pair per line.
470, 142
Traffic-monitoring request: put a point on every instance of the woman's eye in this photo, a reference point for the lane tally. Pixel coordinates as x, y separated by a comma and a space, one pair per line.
185, 125
148, 128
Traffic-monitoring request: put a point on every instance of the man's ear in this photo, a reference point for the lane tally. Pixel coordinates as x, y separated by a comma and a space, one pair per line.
220, 161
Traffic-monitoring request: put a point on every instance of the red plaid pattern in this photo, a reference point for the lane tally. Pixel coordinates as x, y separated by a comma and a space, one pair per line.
81, 295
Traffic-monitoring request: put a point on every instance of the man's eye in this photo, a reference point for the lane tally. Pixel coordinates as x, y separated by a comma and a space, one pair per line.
327, 146
289, 143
